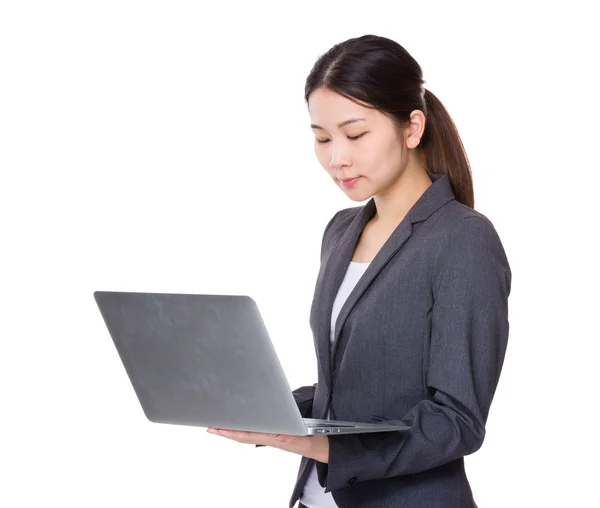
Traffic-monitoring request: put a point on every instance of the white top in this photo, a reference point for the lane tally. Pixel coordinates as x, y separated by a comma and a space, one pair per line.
314, 495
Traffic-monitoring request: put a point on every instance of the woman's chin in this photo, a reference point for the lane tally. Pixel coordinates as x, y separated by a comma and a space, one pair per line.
356, 194
358, 197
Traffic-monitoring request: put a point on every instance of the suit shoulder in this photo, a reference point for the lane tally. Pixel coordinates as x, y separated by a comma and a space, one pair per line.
455, 219
454, 212
467, 234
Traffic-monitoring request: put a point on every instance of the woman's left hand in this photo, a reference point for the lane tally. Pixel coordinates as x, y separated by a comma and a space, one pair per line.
313, 447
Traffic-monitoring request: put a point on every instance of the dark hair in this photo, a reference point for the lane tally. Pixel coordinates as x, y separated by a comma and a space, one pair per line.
380, 73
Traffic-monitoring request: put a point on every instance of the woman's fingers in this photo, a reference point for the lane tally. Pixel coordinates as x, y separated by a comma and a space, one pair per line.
245, 437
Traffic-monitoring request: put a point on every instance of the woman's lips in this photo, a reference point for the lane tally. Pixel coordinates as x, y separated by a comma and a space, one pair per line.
350, 182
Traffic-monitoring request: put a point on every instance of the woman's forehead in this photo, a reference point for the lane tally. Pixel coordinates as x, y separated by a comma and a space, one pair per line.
336, 110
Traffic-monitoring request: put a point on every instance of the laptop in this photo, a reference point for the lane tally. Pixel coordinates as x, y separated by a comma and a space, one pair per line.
208, 361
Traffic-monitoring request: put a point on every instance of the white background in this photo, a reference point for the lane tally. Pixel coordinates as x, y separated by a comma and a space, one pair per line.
165, 146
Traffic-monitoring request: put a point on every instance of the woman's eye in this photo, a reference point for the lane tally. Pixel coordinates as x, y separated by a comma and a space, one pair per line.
353, 138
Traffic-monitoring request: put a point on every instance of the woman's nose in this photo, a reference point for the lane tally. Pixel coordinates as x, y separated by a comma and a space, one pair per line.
339, 157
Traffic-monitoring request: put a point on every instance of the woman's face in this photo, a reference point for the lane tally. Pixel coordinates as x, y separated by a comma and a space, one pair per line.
362, 142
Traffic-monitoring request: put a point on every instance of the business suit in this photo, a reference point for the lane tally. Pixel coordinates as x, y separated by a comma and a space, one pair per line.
420, 340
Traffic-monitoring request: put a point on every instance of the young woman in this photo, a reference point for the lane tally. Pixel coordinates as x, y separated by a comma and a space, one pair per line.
410, 310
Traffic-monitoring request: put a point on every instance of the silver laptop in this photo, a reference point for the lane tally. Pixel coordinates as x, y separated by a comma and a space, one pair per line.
208, 361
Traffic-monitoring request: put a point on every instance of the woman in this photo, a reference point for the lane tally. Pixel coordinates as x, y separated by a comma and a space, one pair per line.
410, 311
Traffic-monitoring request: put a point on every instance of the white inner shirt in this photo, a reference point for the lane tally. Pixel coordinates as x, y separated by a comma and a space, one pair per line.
314, 495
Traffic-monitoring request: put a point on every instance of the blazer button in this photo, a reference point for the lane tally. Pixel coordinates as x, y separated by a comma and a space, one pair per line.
352, 480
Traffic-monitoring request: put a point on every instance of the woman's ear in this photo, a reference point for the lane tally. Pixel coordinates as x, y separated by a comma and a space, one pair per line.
416, 128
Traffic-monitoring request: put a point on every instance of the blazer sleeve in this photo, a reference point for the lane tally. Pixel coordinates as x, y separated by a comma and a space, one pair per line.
304, 399
471, 281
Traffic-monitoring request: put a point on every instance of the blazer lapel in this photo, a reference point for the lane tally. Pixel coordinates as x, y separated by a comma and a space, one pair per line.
396, 240
335, 266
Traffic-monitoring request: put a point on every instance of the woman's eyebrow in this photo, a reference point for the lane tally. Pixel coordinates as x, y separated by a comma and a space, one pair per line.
340, 125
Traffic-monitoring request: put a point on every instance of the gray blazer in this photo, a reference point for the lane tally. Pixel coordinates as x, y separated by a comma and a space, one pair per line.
420, 340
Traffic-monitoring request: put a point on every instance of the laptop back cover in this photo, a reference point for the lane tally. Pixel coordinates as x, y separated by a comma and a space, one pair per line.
203, 360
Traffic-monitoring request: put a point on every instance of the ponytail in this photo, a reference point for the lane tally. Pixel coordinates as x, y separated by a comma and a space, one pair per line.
444, 152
